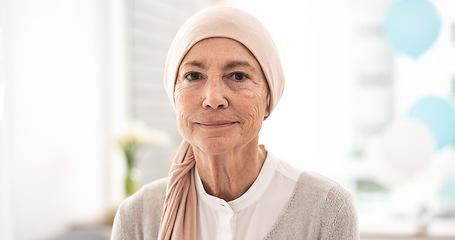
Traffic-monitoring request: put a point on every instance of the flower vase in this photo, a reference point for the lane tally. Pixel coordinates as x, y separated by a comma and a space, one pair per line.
132, 181
133, 175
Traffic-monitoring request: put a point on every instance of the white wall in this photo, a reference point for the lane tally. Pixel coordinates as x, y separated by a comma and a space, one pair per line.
56, 141
5, 193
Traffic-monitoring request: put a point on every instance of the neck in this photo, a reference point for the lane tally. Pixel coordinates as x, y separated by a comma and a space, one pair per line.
229, 175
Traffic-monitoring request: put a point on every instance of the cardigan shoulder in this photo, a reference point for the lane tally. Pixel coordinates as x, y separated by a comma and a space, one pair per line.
139, 216
318, 209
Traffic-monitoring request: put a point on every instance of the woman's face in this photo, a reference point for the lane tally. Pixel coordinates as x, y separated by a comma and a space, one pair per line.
220, 96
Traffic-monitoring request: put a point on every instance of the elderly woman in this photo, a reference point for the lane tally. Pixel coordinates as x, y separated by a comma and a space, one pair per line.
224, 77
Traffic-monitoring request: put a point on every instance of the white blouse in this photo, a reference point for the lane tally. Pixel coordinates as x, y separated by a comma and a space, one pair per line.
252, 215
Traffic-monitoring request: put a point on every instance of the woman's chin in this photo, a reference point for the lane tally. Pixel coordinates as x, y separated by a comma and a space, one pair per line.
215, 146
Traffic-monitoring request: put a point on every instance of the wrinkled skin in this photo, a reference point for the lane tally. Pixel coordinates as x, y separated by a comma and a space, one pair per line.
221, 101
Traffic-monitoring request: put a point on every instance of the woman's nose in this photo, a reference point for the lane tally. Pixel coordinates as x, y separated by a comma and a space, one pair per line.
215, 95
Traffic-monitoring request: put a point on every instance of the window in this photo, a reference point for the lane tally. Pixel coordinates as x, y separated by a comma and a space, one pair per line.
152, 26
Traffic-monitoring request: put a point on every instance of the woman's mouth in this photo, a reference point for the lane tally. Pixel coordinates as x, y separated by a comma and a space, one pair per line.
216, 124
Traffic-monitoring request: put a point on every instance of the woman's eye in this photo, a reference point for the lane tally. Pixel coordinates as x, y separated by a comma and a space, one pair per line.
193, 76
239, 76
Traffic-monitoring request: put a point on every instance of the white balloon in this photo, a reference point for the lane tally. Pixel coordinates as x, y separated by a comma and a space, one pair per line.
408, 146
400, 152
380, 171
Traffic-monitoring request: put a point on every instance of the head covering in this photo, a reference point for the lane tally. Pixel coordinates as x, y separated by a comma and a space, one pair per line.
179, 214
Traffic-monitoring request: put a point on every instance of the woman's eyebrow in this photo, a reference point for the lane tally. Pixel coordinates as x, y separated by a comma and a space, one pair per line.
234, 64
195, 64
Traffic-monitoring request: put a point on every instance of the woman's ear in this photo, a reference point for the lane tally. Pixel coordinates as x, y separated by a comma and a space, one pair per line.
267, 109
267, 112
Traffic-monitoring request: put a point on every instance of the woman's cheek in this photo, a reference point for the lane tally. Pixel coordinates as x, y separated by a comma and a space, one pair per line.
183, 124
253, 119
181, 99
260, 102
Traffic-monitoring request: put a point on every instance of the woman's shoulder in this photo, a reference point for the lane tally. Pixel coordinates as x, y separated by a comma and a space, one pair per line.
331, 204
139, 215
153, 192
320, 192
323, 195
315, 183
319, 208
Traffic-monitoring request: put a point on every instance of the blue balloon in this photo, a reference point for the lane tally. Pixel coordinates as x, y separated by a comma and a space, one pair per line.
448, 188
412, 26
439, 115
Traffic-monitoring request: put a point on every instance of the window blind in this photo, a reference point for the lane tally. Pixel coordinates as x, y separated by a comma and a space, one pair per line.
152, 26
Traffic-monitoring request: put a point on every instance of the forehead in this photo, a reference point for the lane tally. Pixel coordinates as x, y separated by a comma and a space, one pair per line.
221, 49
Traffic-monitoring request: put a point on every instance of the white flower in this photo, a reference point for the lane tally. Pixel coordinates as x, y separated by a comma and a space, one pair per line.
138, 134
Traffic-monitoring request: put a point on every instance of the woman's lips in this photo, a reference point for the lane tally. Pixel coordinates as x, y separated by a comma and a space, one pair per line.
216, 124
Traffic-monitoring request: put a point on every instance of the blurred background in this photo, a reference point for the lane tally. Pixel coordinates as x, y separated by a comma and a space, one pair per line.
85, 120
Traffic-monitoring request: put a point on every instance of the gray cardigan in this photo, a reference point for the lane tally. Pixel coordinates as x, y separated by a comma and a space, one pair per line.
318, 209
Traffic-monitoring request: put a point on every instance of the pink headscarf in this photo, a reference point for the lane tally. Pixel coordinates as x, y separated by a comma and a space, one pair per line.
179, 214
